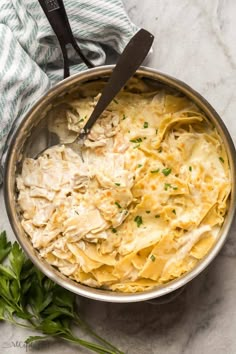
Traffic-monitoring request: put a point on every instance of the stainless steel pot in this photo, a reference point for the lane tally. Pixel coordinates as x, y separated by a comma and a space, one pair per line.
31, 137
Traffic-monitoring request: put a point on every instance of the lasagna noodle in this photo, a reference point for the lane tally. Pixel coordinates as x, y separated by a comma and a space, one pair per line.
147, 201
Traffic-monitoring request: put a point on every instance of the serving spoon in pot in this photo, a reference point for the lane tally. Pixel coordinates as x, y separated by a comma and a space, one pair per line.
129, 61
131, 58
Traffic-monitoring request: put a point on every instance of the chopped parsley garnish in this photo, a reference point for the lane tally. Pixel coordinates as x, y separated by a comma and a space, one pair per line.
173, 211
156, 131
113, 230
190, 168
138, 219
144, 138
160, 150
221, 159
124, 117
167, 185
157, 216
117, 184
148, 211
153, 258
139, 165
138, 140
115, 101
166, 171
82, 119
118, 205
155, 171
136, 146
145, 124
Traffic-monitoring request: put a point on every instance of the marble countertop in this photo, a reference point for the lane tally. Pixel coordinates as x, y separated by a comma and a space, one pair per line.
195, 42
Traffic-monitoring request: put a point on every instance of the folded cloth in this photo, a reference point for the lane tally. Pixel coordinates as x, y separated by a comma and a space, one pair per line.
30, 56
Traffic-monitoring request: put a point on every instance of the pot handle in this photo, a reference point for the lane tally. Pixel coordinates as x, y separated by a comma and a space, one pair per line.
58, 19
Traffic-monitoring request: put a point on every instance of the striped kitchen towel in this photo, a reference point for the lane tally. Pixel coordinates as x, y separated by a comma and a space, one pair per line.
30, 57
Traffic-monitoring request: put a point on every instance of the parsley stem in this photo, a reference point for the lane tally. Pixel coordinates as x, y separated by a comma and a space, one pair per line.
18, 323
22, 325
32, 322
13, 305
92, 346
88, 329
30, 300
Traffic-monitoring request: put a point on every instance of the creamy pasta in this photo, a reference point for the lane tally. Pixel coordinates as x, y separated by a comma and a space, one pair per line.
145, 203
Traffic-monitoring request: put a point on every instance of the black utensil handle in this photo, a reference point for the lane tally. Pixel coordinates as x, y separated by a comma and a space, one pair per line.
57, 17
129, 61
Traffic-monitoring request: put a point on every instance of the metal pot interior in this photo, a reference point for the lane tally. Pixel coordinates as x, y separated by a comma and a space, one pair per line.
32, 137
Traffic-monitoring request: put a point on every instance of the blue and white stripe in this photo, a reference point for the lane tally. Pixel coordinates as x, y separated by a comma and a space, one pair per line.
30, 58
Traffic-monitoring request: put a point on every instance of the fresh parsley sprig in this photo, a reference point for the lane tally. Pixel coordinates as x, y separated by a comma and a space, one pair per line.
30, 300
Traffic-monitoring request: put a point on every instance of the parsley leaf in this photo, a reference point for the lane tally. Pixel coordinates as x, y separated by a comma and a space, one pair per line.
167, 185
7, 272
118, 205
62, 297
17, 259
166, 171
51, 327
145, 124
5, 246
5, 288
138, 219
190, 168
138, 140
39, 303
221, 159
155, 171
15, 290
38, 300
153, 258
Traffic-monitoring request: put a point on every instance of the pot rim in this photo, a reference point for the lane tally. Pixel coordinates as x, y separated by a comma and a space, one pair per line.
50, 271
